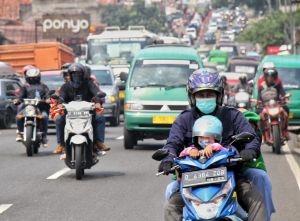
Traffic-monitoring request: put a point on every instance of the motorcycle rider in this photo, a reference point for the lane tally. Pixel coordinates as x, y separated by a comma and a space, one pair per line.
205, 92
271, 83
30, 90
80, 87
243, 85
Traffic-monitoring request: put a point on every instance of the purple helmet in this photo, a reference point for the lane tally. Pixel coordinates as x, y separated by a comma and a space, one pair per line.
201, 80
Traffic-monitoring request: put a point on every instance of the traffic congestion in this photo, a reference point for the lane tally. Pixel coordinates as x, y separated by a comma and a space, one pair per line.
164, 110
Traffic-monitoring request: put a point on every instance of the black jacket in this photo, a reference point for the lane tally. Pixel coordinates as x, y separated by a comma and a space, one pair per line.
233, 122
89, 91
29, 91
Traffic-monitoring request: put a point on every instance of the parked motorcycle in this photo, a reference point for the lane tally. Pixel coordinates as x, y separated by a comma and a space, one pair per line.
80, 154
207, 186
273, 122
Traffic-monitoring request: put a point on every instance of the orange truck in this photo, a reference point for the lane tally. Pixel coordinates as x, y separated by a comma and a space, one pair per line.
44, 55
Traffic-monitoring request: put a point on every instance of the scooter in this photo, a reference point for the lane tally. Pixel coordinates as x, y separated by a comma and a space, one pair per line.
80, 154
207, 186
242, 99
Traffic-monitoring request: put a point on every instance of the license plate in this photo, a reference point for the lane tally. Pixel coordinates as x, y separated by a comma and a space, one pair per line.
204, 177
122, 94
163, 119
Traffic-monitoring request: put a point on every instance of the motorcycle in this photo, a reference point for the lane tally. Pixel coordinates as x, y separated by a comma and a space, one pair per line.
273, 120
80, 154
207, 186
32, 126
242, 99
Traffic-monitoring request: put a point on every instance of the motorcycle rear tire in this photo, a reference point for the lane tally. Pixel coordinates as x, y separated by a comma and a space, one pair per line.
28, 142
276, 139
78, 161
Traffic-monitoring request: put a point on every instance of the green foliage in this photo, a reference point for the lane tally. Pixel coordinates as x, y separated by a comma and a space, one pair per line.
266, 31
153, 18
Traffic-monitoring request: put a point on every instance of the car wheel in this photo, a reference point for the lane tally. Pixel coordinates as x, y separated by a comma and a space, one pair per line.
7, 119
129, 139
115, 121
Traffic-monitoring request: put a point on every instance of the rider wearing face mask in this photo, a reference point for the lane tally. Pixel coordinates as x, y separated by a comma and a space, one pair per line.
80, 87
205, 92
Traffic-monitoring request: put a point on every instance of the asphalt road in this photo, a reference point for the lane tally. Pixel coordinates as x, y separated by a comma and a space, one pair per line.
122, 186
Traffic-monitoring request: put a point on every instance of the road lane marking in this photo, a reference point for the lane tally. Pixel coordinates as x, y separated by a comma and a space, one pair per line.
58, 173
4, 207
120, 138
292, 163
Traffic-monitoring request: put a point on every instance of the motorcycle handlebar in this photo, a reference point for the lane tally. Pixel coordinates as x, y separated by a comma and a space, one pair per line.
163, 172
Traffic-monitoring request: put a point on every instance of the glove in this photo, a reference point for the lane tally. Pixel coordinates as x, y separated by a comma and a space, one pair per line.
165, 166
248, 154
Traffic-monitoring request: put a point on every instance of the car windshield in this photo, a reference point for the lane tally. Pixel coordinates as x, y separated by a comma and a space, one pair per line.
112, 51
162, 73
103, 77
290, 77
52, 81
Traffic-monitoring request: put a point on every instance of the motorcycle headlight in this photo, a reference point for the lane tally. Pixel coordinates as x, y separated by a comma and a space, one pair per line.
273, 111
133, 106
29, 110
210, 209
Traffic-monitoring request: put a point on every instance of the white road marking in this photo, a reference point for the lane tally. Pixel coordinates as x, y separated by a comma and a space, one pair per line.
120, 138
292, 163
4, 207
58, 173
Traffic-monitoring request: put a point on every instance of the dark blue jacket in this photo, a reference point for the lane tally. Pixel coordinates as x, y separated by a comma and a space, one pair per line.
233, 122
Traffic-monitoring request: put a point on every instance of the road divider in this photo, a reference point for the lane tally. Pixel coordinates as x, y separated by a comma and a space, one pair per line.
4, 207
58, 174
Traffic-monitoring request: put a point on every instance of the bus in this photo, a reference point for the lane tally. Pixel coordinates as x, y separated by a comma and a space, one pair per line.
117, 47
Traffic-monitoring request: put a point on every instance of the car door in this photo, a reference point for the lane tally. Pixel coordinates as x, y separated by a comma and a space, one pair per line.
11, 89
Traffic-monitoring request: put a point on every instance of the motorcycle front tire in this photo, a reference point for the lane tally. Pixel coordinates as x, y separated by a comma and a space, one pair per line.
28, 142
78, 161
276, 139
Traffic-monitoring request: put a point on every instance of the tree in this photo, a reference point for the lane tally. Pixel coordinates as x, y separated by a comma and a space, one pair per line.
153, 18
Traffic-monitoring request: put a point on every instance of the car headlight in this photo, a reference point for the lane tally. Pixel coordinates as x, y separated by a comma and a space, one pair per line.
210, 209
133, 106
29, 110
110, 99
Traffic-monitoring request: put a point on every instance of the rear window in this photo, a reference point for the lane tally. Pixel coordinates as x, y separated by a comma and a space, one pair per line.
104, 77
53, 81
290, 77
162, 73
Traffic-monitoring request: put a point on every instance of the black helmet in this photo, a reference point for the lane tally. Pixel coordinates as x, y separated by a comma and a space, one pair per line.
243, 79
64, 69
33, 76
272, 72
77, 74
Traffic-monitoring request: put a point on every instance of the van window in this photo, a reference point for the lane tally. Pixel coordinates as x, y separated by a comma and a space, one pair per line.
290, 77
162, 73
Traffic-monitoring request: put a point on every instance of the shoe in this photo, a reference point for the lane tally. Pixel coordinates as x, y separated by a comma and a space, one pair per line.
45, 142
59, 149
101, 146
19, 137
63, 156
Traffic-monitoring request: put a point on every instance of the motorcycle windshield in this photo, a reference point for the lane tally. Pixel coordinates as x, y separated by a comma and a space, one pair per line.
79, 106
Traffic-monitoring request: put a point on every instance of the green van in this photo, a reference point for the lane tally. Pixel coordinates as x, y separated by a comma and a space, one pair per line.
156, 91
288, 67
220, 58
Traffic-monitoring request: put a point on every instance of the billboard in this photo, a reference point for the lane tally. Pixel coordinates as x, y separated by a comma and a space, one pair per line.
65, 25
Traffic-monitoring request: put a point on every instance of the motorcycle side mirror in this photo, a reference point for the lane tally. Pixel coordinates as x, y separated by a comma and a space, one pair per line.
160, 154
243, 137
